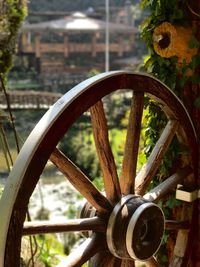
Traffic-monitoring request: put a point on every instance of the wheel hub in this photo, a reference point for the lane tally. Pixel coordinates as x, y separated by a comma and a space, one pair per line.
135, 228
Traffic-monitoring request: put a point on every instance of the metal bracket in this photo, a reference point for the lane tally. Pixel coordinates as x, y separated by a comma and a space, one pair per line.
186, 195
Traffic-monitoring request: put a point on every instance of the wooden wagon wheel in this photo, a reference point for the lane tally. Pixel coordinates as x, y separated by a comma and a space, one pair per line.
128, 224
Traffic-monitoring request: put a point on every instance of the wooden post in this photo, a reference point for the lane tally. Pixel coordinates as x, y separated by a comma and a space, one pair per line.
66, 46
120, 46
37, 46
131, 39
191, 92
37, 52
94, 41
24, 39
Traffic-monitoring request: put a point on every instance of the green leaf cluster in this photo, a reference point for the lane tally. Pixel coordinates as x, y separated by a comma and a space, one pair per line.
166, 69
49, 248
173, 75
162, 10
12, 14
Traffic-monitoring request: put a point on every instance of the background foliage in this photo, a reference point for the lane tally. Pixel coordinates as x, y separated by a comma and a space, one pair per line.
12, 13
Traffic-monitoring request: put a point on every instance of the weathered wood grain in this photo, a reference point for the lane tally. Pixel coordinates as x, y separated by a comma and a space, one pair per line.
129, 165
106, 159
177, 225
42, 227
127, 263
150, 168
180, 248
80, 181
85, 251
104, 259
168, 185
152, 263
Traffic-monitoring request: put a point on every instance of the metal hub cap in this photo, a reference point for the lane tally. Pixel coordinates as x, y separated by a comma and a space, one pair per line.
135, 228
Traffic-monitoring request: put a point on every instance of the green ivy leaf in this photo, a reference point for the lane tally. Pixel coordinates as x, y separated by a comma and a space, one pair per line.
195, 61
183, 81
193, 43
172, 202
197, 102
195, 79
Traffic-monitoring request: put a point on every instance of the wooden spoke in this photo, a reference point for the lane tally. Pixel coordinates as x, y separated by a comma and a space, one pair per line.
149, 169
43, 227
170, 183
80, 181
104, 259
106, 159
178, 257
128, 263
129, 164
176, 225
85, 251
151, 263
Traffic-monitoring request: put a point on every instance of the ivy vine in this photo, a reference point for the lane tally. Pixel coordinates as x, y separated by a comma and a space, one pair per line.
166, 69
12, 13
173, 75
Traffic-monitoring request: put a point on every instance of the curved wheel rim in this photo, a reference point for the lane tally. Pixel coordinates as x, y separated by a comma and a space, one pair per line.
94, 89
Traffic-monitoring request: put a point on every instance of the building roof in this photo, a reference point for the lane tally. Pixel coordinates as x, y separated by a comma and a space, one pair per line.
76, 22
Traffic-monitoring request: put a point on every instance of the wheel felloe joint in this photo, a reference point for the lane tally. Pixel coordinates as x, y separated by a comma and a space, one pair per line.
135, 228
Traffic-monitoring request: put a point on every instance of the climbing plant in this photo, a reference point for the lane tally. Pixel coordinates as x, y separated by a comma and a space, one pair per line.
167, 69
12, 13
173, 71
